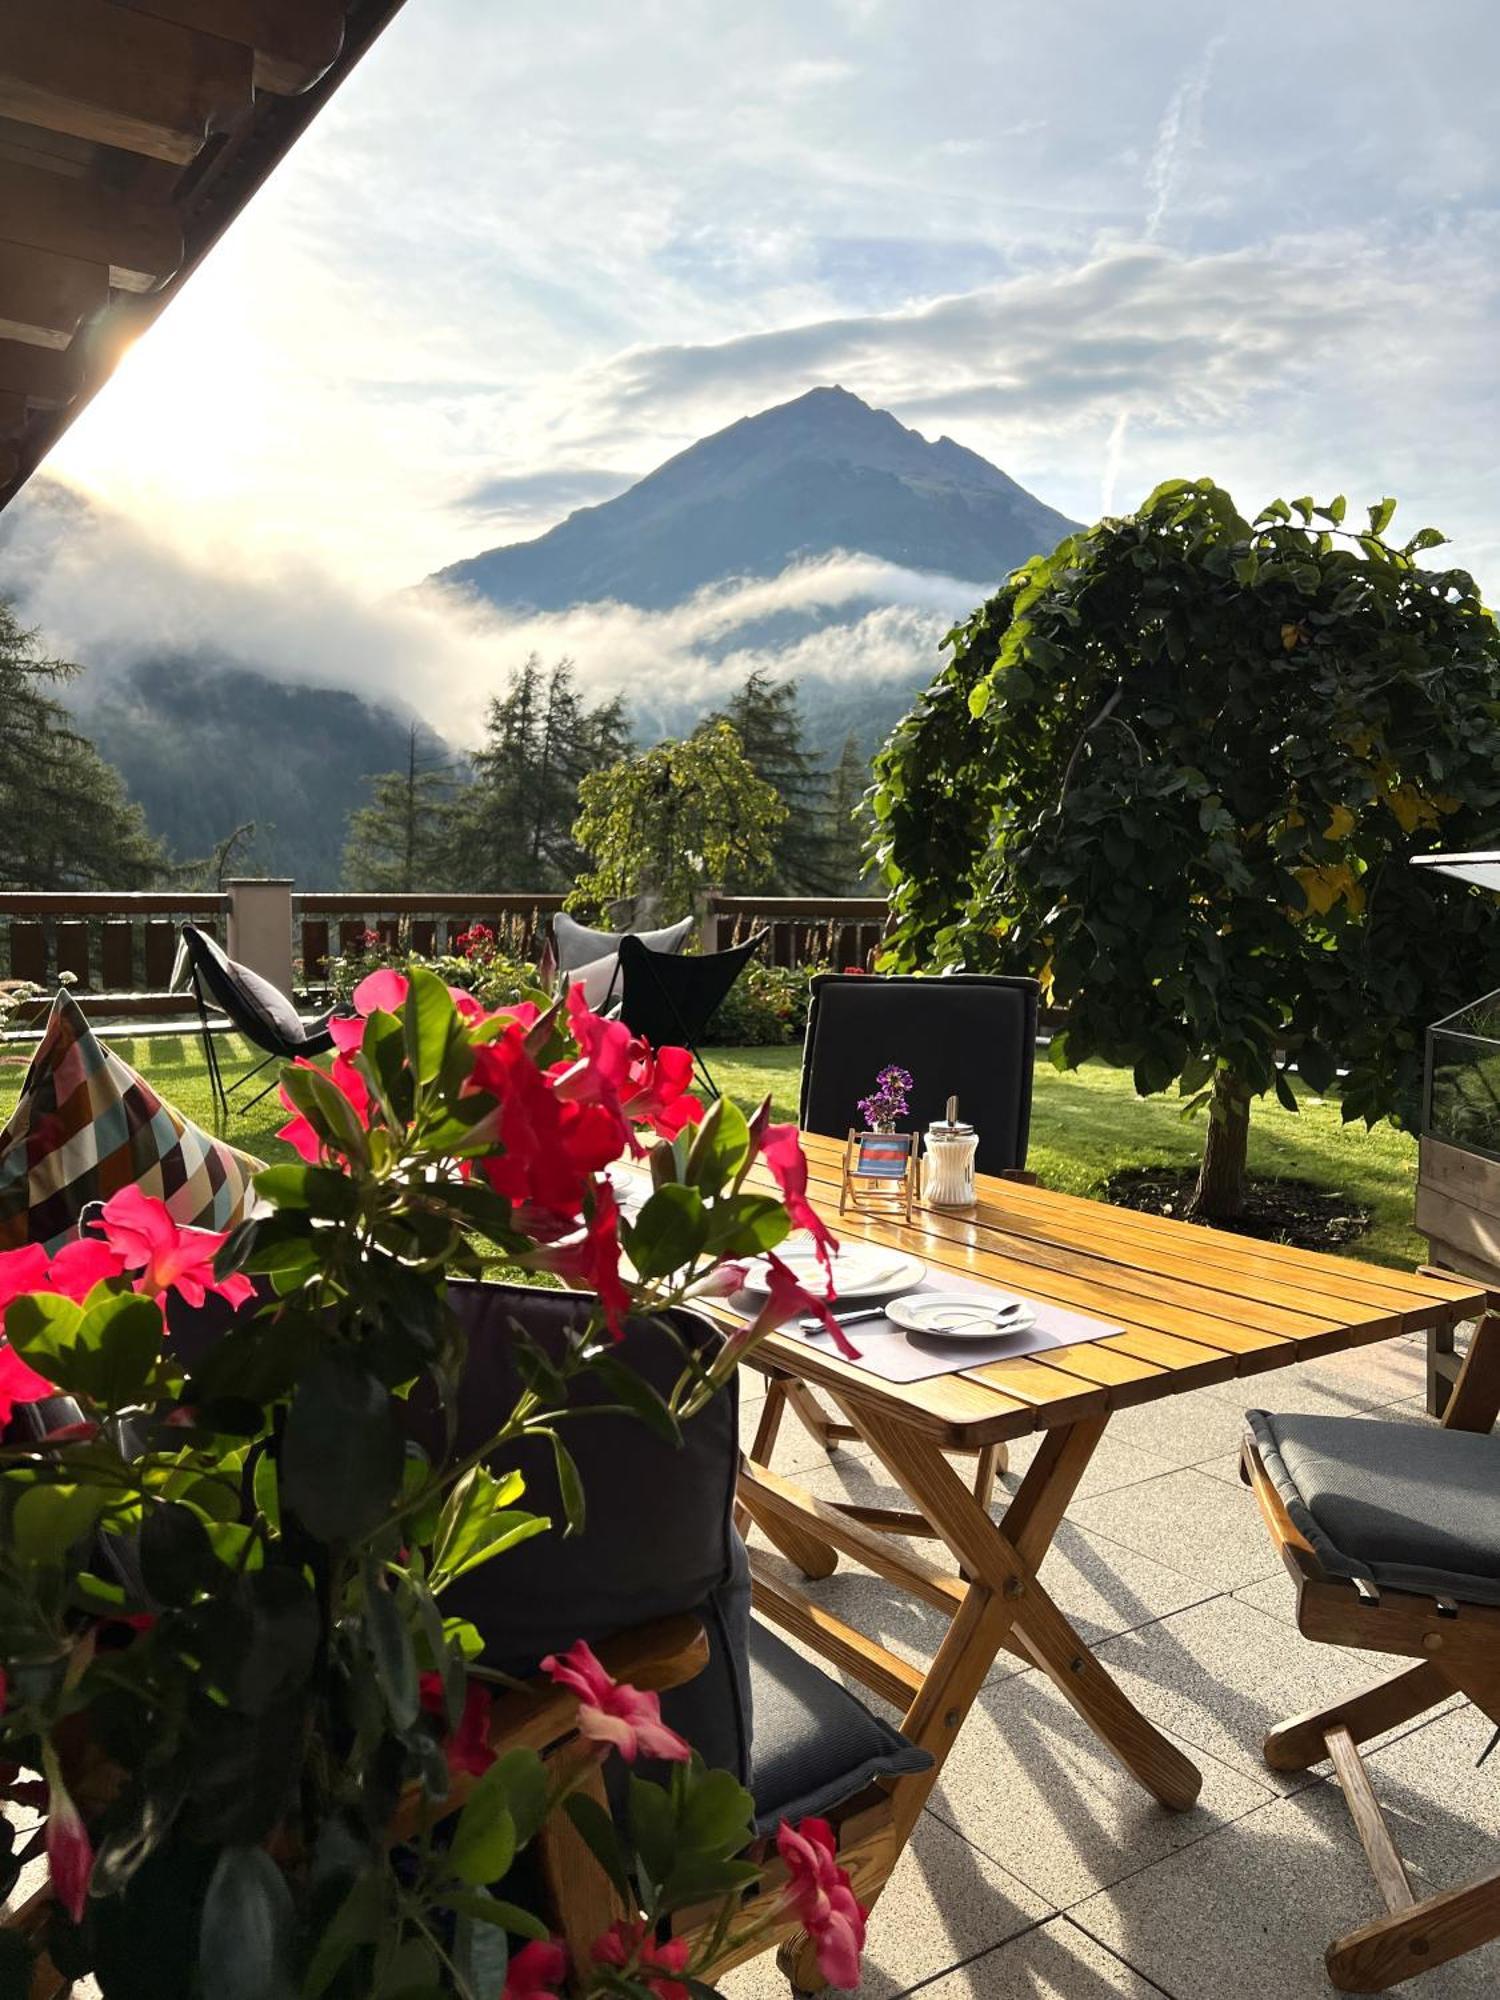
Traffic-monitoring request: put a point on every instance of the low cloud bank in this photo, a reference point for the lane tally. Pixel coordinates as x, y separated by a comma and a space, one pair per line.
107, 593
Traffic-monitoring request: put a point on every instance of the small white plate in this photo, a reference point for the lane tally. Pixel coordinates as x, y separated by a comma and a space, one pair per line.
860, 1270
959, 1315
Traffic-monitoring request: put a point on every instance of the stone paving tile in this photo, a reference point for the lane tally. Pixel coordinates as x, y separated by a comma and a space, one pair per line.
1252, 1908
1029, 1784
1183, 1430
1199, 1525
1116, 1462
1055, 1961
1223, 1674
796, 1450
945, 1903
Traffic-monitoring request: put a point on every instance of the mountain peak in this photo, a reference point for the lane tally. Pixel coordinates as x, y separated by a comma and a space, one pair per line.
825, 471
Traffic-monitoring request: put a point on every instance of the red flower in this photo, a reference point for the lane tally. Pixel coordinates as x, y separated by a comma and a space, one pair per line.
787, 1298
620, 1071
468, 1746
81, 1265
818, 1894
612, 1712
625, 1944
536, 1971
139, 1229
591, 1261
781, 1146
22, 1271
346, 1079
70, 1855
384, 991
550, 1150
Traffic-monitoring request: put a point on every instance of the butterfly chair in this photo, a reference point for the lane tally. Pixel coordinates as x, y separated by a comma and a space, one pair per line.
261, 1012
967, 1035
667, 998
657, 1582
1392, 1534
573, 948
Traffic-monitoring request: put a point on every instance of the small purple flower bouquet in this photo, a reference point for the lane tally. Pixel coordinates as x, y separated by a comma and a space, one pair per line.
887, 1101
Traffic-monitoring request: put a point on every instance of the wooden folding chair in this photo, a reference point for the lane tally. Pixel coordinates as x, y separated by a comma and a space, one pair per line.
1393, 1537
579, 1901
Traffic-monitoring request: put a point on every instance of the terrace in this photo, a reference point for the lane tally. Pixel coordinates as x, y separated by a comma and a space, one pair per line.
1042, 1565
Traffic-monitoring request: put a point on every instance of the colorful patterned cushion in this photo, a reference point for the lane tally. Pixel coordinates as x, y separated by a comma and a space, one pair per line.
86, 1126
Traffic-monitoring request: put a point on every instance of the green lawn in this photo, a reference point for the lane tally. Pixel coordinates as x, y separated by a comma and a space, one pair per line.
1085, 1127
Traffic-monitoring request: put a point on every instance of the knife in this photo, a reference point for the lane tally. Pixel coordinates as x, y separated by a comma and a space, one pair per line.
843, 1319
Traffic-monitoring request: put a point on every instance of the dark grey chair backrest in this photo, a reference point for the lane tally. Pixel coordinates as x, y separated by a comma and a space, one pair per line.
658, 1536
969, 1035
262, 1012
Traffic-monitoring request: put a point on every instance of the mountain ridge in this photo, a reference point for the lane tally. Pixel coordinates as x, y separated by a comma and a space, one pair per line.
824, 472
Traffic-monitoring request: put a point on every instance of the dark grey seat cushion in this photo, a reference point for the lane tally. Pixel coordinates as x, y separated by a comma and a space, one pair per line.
1393, 1504
576, 945
815, 1744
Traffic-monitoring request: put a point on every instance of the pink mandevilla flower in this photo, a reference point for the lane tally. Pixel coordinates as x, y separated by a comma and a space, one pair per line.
818, 1894
70, 1854
536, 1971
612, 1712
788, 1298
625, 1943
467, 1747
781, 1146
140, 1229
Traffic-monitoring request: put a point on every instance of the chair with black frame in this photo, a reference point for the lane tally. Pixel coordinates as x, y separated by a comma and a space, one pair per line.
667, 998
963, 1034
1392, 1534
259, 1011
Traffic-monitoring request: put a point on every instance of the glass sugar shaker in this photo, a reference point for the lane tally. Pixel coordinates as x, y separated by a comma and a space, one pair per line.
949, 1172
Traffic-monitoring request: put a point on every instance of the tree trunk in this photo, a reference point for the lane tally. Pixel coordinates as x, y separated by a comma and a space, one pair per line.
1220, 1193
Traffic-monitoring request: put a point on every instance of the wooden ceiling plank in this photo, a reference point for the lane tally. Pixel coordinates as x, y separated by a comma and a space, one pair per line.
119, 78
49, 377
295, 41
78, 218
45, 298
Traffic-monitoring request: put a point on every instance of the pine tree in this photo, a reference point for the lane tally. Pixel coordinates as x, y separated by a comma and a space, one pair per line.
399, 842
847, 783
66, 820
766, 717
514, 827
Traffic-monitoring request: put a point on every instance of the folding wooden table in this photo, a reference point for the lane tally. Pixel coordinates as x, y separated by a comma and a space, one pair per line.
1194, 1306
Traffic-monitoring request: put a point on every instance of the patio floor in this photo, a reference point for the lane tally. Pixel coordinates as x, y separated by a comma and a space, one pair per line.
1040, 1869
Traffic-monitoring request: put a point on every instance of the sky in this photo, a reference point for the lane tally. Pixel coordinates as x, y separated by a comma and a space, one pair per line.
530, 250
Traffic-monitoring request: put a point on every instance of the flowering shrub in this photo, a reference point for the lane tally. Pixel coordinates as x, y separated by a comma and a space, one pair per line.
887, 1101
478, 964
260, 1745
767, 1005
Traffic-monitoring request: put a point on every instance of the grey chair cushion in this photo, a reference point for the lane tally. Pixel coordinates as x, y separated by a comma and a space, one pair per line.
814, 1743
576, 945
1394, 1504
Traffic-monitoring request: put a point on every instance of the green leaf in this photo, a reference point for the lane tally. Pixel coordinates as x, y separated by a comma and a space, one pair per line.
1380, 516
246, 1933
48, 1521
390, 1648
177, 1558
480, 1908
1316, 1066
1285, 1094
569, 1485
597, 1831
627, 1387
669, 1233
342, 1452
484, 1839
719, 1148
744, 1225
717, 1813
321, 1191
522, 1779
430, 1022
104, 1350
653, 1827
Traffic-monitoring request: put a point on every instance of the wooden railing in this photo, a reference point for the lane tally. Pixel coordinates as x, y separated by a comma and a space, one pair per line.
331, 925
110, 942
842, 932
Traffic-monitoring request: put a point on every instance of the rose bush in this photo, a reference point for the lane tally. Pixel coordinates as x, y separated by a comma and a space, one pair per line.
258, 1741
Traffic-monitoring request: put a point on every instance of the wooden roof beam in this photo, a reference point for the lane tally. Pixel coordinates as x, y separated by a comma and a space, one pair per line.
295, 41
49, 377
119, 78
73, 217
45, 298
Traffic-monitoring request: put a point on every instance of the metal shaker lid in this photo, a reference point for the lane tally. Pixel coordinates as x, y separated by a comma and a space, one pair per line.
951, 1127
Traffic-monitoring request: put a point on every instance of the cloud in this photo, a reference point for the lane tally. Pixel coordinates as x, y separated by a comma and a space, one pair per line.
106, 593
547, 494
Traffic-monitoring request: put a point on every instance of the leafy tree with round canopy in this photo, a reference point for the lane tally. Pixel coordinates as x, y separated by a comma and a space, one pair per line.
1178, 769
679, 818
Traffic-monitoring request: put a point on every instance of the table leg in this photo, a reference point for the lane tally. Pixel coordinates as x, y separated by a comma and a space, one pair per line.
1005, 1559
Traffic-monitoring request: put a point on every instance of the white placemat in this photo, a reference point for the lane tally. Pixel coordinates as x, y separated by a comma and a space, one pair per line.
895, 1355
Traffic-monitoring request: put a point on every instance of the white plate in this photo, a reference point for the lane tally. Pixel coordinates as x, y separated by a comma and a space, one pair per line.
958, 1315
860, 1270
